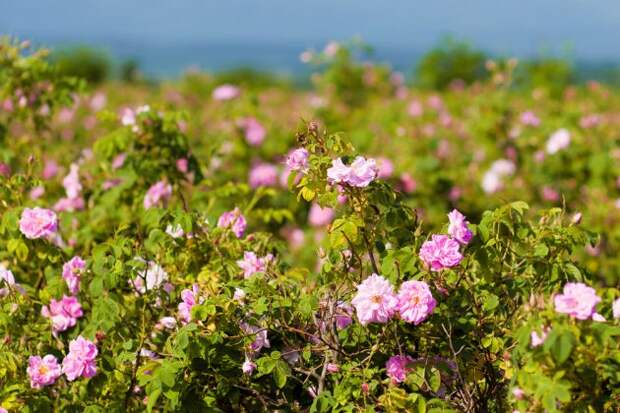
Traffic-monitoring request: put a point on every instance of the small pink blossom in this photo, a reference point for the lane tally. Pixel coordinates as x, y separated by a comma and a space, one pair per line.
119, 160
63, 313
71, 182
252, 264
415, 109
50, 169
415, 301
225, 92
190, 299
559, 140
80, 362
38, 223
69, 204
319, 217
332, 368
343, 314
151, 278
440, 252
37, 192
254, 131
263, 174
538, 339
518, 393
577, 300
248, 366
385, 168
158, 194
43, 371
459, 227
72, 270
397, 368
375, 301
616, 308
239, 296
182, 165
408, 183
529, 118
260, 337
297, 160
233, 220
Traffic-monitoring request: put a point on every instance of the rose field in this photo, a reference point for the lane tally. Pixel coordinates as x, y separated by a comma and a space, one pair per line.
360, 244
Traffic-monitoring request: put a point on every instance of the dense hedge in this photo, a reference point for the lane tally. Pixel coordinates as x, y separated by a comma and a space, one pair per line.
200, 247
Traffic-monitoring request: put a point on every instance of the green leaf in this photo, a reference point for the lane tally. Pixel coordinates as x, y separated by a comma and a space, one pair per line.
563, 346
281, 372
541, 250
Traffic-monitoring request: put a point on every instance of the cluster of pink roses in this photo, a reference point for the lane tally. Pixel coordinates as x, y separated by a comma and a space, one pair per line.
443, 251
158, 194
359, 174
80, 362
234, 220
252, 264
63, 313
73, 188
376, 301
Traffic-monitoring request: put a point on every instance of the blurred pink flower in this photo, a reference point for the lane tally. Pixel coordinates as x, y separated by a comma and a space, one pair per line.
529, 118
559, 140
225, 92
263, 174
254, 131
38, 222
577, 300
158, 194
319, 217
385, 168
50, 169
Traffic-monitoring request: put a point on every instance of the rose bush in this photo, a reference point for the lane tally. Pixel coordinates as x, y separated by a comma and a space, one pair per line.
212, 260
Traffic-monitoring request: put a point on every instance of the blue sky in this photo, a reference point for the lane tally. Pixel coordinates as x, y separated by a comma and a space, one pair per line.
590, 29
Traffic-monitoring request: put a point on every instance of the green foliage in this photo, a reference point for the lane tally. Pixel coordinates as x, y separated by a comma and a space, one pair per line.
450, 61
165, 294
84, 63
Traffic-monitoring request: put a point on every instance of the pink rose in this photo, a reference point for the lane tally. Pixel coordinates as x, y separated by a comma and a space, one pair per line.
43, 371
415, 301
233, 220
440, 252
577, 300
81, 359
38, 222
397, 368
375, 301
